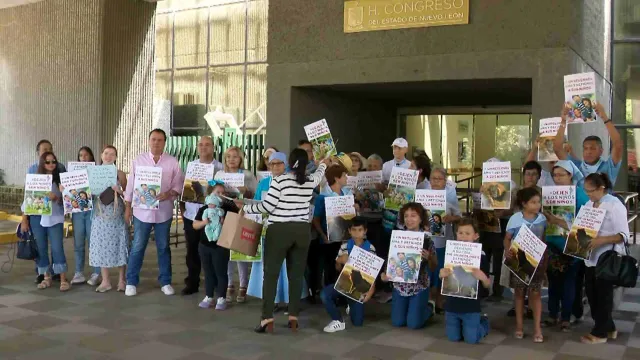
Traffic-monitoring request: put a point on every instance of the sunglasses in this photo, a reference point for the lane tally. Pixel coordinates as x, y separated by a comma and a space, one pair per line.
50, 162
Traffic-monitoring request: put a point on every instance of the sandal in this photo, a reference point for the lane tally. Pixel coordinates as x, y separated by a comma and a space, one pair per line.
103, 288
64, 286
538, 339
229, 297
46, 283
242, 295
121, 286
518, 334
590, 339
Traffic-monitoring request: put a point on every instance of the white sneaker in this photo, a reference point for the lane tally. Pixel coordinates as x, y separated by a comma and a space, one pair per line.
130, 290
93, 280
334, 326
78, 278
168, 290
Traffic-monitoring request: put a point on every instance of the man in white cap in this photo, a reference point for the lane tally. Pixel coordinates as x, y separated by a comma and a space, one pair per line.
400, 148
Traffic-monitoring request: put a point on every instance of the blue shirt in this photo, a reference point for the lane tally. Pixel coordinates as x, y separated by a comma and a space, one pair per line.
559, 241
605, 166
263, 187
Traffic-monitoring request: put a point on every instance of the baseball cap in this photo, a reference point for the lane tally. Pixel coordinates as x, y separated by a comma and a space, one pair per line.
400, 142
278, 156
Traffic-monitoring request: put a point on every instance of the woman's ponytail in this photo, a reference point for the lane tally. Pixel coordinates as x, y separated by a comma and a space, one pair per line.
599, 179
298, 161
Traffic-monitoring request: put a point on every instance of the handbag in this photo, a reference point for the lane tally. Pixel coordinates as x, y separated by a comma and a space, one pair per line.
27, 248
620, 270
107, 196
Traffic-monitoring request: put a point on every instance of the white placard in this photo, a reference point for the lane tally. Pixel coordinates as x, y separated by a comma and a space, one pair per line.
196, 182
358, 274
405, 256
496, 185
79, 165
580, 96
36, 194
526, 252
461, 257
585, 228
76, 196
147, 185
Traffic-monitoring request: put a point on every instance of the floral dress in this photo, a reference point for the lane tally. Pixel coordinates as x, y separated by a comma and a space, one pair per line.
109, 246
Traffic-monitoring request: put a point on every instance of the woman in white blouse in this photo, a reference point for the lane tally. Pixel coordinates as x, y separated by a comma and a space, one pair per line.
613, 233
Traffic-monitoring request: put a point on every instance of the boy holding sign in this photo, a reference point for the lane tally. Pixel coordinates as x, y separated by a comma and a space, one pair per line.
358, 232
463, 318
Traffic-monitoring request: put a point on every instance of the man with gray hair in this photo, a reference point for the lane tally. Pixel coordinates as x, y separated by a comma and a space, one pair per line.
374, 163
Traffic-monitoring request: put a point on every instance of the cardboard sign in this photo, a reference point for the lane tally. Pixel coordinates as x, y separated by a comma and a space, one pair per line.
196, 182
548, 131
76, 196
461, 257
496, 185
36, 194
526, 253
402, 188
585, 227
580, 96
358, 274
320, 137
405, 256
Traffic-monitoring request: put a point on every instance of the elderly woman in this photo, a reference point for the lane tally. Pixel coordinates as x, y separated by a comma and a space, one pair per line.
358, 163
438, 181
613, 234
374, 163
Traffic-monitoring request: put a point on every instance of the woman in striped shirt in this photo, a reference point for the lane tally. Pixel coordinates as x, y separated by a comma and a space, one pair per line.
287, 203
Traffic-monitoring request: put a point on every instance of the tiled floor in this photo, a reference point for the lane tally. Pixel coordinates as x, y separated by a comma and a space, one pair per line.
82, 324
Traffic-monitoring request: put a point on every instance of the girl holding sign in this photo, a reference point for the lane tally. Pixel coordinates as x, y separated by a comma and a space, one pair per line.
234, 163
613, 234
410, 305
82, 230
529, 201
48, 229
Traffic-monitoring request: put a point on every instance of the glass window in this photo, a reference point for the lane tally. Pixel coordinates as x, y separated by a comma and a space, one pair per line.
211, 68
513, 139
627, 19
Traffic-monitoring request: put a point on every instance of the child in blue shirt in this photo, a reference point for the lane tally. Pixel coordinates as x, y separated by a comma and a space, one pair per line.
329, 295
462, 318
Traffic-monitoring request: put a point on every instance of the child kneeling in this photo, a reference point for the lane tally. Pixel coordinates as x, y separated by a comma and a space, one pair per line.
214, 258
329, 295
462, 318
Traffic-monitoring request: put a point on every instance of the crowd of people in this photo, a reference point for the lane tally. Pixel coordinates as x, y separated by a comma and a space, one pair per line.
298, 260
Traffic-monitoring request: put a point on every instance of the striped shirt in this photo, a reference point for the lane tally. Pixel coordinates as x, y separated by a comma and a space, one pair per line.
286, 200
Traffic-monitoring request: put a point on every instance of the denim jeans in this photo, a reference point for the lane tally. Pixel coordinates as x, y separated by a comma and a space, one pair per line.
562, 290
472, 327
410, 311
356, 309
45, 236
141, 233
81, 231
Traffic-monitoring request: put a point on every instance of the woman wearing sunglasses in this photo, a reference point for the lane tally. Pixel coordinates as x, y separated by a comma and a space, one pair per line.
48, 229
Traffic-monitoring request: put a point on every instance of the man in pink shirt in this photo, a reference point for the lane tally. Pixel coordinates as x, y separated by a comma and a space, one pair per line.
146, 219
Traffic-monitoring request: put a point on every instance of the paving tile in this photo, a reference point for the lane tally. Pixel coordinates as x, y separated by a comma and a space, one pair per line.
403, 338
14, 313
78, 313
601, 351
154, 350
631, 354
570, 357
112, 342
24, 344
425, 355
330, 344
4, 291
192, 339
200, 356
47, 305
152, 311
21, 299
503, 352
111, 322
152, 328
382, 352
34, 323
66, 352
71, 332
477, 351
239, 351
8, 332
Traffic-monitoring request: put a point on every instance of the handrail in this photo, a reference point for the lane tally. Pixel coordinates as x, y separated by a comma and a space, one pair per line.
631, 201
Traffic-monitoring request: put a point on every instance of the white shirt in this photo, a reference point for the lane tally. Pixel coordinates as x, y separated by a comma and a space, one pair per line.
615, 222
389, 165
191, 209
57, 211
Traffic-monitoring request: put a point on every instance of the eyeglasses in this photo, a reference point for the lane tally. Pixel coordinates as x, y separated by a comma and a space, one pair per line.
50, 162
591, 191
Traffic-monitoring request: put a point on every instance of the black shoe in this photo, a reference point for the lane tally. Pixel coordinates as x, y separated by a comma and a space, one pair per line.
266, 328
39, 279
189, 291
512, 312
56, 277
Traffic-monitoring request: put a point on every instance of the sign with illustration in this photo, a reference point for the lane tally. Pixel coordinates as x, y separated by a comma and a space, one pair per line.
401, 189
320, 137
76, 192
580, 97
37, 188
148, 180
461, 258
496, 185
358, 274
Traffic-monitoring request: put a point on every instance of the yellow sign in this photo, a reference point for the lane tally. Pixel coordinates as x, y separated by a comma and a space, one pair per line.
371, 15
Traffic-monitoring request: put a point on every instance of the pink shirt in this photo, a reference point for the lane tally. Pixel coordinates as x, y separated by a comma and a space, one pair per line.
172, 179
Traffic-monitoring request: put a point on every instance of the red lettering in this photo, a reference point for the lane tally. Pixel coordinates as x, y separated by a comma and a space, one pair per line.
248, 235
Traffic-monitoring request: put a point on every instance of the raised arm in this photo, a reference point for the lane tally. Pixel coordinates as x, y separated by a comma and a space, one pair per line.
318, 175
558, 142
617, 147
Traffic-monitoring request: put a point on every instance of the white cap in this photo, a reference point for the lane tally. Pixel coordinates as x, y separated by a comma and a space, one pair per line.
400, 142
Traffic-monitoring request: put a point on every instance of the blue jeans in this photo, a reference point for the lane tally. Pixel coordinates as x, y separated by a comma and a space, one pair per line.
410, 311
45, 236
141, 233
562, 290
356, 309
472, 327
81, 230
